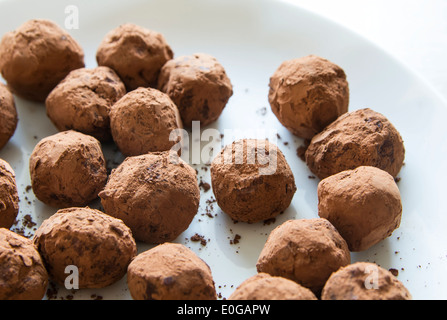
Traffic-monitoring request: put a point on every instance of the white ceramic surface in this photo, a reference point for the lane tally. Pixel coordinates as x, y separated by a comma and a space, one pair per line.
251, 38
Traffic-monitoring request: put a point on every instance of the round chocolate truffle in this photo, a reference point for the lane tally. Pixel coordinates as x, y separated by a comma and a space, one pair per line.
36, 57
358, 138
8, 115
82, 101
198, 85
22, 273
170, 271
92, 247
266, 287
135, 53
363, 204
157, 195
143, 120
306, 251
364, 281
67, 169
252, 180
307, 94
9, 198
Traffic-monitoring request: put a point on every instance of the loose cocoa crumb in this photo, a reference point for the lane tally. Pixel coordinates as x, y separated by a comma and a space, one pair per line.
395, 272
205, 186
28, 221
197, 238
236, 239
262, 111
52, 291
27, 228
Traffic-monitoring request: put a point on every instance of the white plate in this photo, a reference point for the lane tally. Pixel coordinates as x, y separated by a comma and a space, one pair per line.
251, 38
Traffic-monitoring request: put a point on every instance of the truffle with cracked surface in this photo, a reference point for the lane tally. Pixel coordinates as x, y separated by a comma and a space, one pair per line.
363, 204
306, 251
199, 86
263, 286
362, 137
170, 271
252, 180
364, 281
135, 53
142, 121
36, 56
307, 94
9, 198
23, 275
156, 194
67, 169
98, 245
82, 101
8, 115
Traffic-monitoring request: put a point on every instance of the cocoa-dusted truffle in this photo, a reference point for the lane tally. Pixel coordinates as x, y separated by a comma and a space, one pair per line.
82, 101
98, 245
170, 271
364, 281
67, 169
359, 138
198, 85
306, 251
307, 94
9, 198
252, 180
22, 273
266, 287
36, 57
135, 53
363, 204
8, 115
154, 195
143, 120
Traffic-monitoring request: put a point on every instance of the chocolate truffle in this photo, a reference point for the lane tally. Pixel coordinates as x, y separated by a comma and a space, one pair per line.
135, 53
198, 85
358, 138
364, 281
266, 287
82, 101
98, 245
363, 204
143, 120
67, 169
307, 94
306, 251
36, 57
154, 195
9, 198
170, 271
252, 180
8, 115
22, 273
